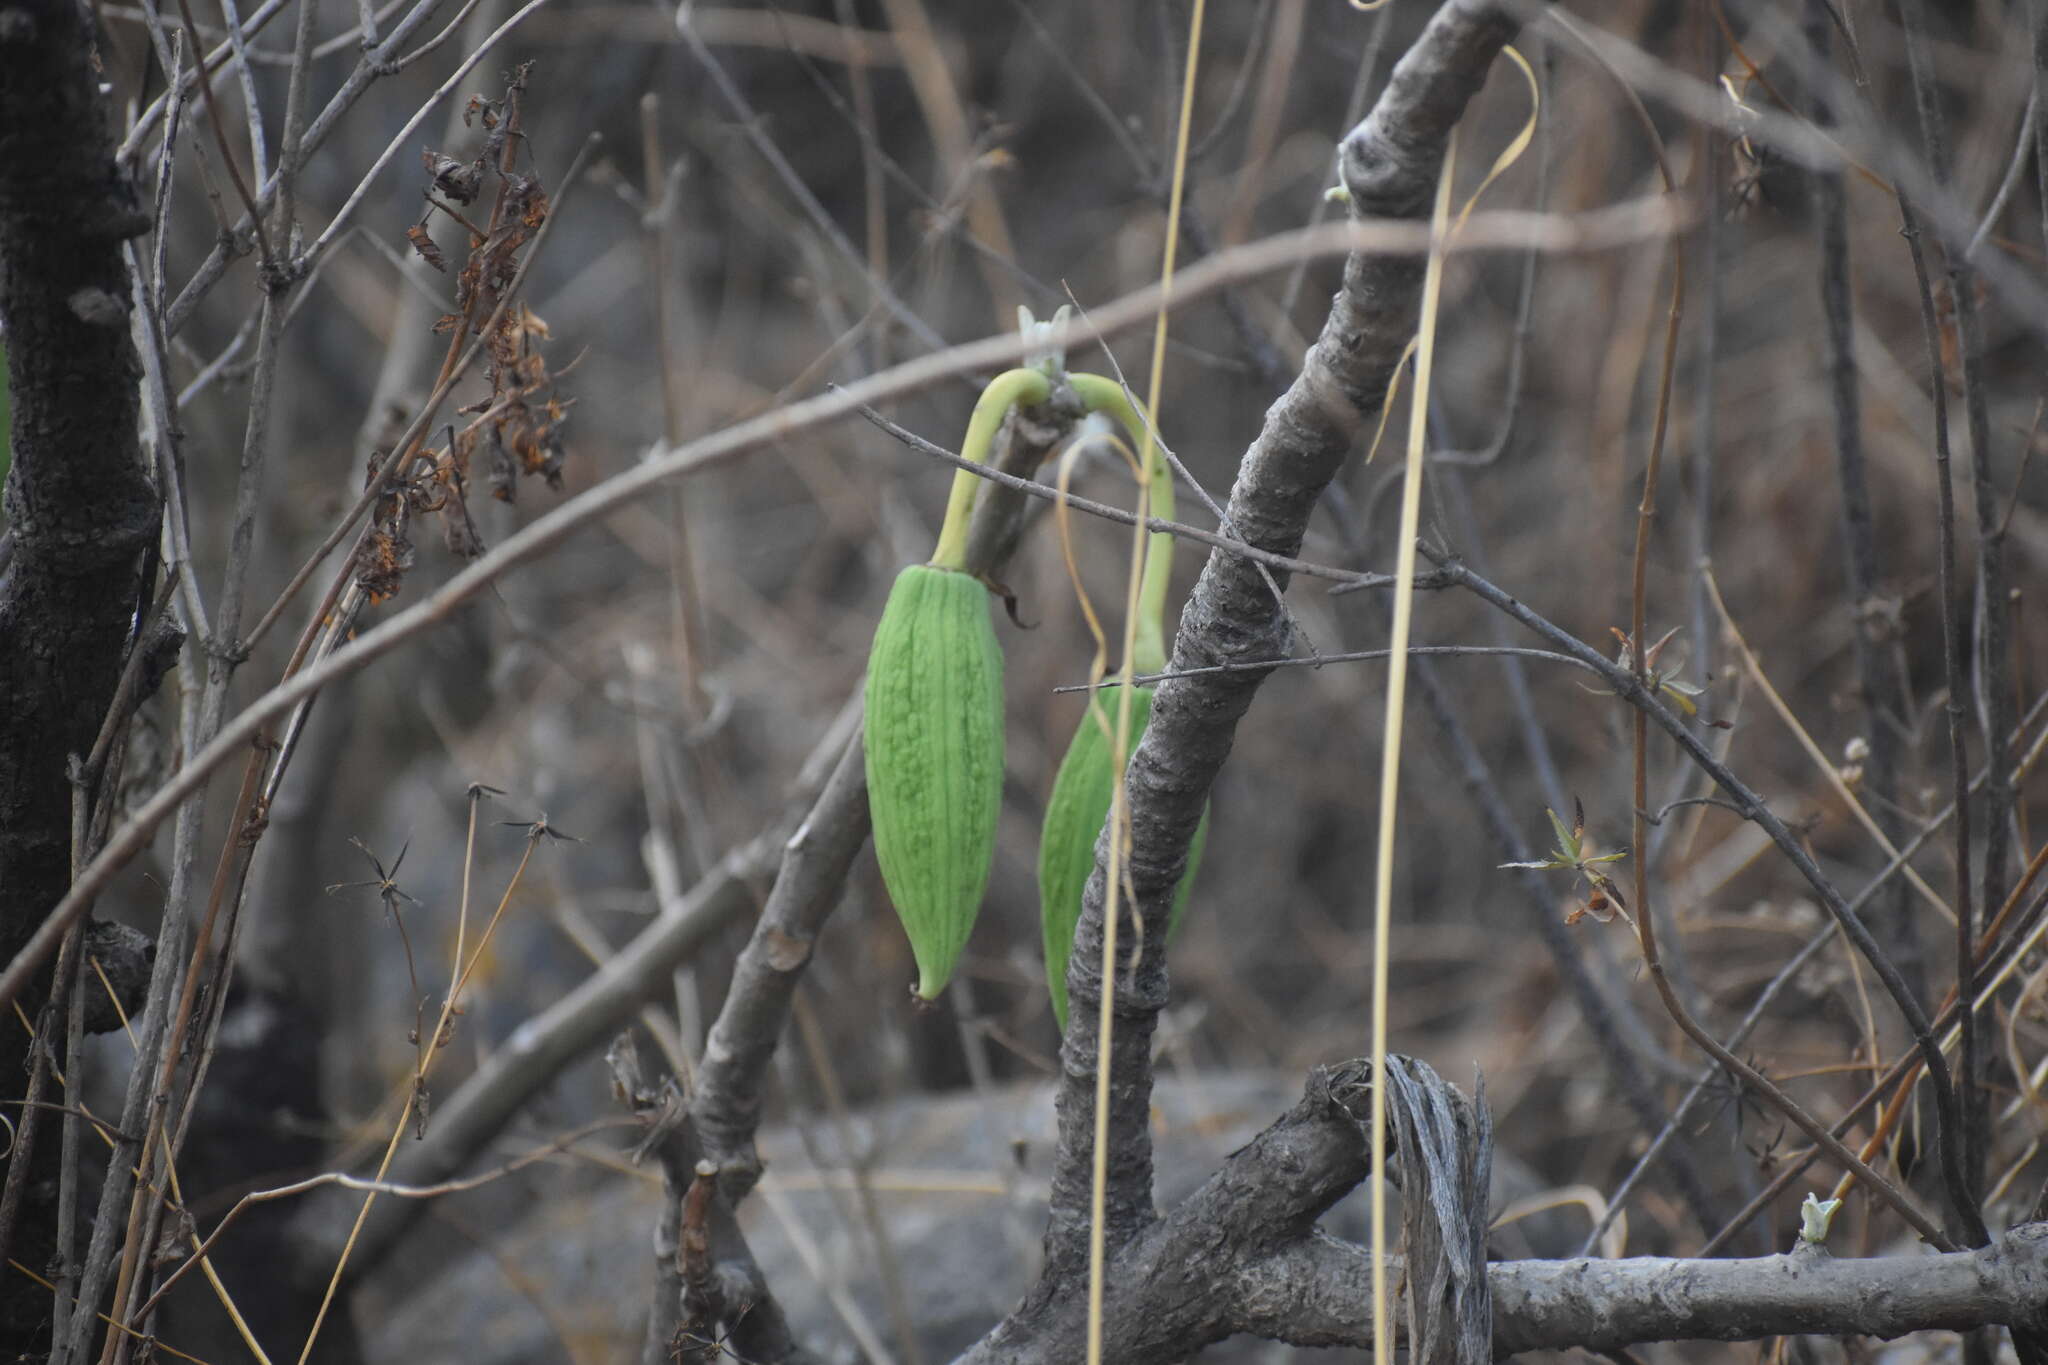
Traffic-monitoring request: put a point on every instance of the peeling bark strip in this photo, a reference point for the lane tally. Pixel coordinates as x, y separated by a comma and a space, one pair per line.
1443, 1142
80, 507
1389, 164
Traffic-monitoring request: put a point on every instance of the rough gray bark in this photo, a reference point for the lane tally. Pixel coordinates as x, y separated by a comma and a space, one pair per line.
1216, 1265
82, 511
1243, 1255
725, 1109
1389, 164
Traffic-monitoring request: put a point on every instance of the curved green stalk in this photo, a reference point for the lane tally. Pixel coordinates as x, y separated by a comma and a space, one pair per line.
1008, 388
1101, 394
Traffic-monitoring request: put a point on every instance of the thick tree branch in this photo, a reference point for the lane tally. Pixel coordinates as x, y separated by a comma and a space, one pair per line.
725, 1107
706, 1272
1389, 164
1186, 1279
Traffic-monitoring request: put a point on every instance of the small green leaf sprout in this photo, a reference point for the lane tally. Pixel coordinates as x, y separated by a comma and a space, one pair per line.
1814, 1217
1604, 899
1666, 684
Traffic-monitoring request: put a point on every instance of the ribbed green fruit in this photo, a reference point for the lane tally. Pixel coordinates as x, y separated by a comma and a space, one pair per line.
1074, 816
934, 740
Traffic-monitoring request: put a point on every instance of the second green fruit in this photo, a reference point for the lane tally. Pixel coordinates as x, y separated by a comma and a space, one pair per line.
1081, 795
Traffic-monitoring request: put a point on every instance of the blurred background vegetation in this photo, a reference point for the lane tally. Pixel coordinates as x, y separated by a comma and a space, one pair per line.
979, 157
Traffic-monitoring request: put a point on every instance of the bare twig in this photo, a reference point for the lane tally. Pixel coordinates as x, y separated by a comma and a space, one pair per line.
1876, 680
1992, 658
1349, 657
820, 219
1632, 691
1800, 142
368, 70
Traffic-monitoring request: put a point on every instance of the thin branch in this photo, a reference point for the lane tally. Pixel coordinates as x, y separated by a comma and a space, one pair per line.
368, 70
820, 219
1803, 144
1877, 682
535, 1054
1993, 657
454, 367
1483, 231
2022, 152
1607, 1019
1629, 689
180, 90
1317, 661
403, 137
227, 153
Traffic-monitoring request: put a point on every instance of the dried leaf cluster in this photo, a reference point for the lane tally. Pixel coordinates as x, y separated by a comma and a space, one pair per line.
517, 425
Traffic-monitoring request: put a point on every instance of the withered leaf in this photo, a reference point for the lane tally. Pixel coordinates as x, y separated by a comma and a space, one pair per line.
498, 468
549, 467
459, 531
459, 180
526, 200
462, 451
424, 244
386, 555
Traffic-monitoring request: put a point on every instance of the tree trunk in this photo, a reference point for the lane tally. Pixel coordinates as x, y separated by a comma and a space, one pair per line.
81, 510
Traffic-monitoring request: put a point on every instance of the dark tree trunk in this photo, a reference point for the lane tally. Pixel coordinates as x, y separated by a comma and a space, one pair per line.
80, 507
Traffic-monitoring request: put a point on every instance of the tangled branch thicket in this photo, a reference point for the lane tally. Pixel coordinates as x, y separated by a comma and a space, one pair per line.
1736, 392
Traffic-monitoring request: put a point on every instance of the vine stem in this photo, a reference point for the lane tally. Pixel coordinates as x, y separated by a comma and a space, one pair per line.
1099, 393
1011, 387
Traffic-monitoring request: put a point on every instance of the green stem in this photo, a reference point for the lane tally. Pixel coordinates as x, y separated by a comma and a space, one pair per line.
1021, 387
1101, 394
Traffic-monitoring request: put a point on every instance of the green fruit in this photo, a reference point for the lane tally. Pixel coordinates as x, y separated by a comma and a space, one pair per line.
1073, 819
934, 741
